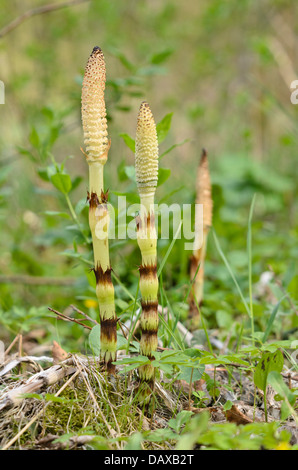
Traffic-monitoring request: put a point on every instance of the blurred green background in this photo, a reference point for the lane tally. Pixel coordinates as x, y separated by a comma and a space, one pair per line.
221, 70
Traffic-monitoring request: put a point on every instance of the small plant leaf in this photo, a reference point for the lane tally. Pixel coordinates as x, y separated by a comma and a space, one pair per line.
163, 127
94, 340
271, 319
129, 141
161, 57
289, 398
182, 418
130, 172
34, 138
57, 214
190, 374
272, 361
62, 182
163, 175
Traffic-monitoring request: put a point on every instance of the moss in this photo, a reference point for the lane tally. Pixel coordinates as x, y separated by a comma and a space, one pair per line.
77, 411
93, 403
70, 414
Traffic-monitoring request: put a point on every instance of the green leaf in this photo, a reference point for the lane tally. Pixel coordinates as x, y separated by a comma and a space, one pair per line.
224, 319
130, 172
43, 173
56, 213
163, 175
271, 319
136, 360
129, 141
121, 342
62, 182
192, 431
76, 182
162, 263
121, 171
51, 170
163, 127
190, 374
182, 418
167, 368
276, 381
80, 206
123, 59
94, 340
269, 362
193, 352
161, 435
173, 147
48, 113
26, 152
134, 441
161, 57
53, 398
231, 272
228, 405
54, 134
34, 138
37, 396
127, 369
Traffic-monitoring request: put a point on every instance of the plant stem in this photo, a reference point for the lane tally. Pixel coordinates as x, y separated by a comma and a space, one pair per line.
146, 165
204, 326
231, 272
97, 147
146, 237
75, 218
249, 252
190, 388
265, 405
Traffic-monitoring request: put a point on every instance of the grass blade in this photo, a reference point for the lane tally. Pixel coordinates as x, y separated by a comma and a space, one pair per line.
249, 255
230, 271
271, 319
169, 250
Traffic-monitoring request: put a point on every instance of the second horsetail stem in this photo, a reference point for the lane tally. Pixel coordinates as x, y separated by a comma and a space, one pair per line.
204, 197
97, 146
146, 165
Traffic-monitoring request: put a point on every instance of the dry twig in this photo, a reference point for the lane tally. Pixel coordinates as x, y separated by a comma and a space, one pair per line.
67, 318
37, 382
37, 11
16, 437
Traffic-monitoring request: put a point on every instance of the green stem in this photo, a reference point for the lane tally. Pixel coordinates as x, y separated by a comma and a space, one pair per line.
230, 271
132, 326
75, 218
204, 326
190, 388
249, 252
265, 404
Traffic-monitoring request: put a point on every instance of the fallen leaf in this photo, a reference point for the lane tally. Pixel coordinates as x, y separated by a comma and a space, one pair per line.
234, 415
196, 385
58, 353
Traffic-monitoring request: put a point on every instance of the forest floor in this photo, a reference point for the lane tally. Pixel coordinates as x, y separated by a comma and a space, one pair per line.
60, 401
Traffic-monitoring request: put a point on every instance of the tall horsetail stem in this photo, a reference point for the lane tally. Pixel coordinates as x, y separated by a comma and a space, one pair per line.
204, 197
97, 146
146, 165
